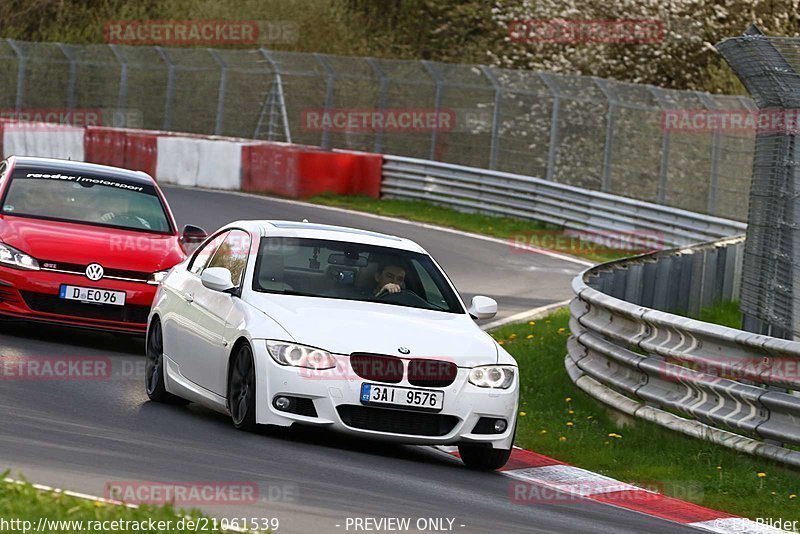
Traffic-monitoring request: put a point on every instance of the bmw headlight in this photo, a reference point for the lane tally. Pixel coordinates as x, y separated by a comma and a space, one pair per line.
295, 355
492, 376
16, 258
156, 278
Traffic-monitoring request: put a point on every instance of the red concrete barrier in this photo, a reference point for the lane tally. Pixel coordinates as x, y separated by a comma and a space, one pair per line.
105, 145
301, 172
141, 151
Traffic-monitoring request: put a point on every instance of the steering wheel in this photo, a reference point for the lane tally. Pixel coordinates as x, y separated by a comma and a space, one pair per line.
126, 219
406, 297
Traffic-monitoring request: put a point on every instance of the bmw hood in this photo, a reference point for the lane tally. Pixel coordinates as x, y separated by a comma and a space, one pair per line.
344, 327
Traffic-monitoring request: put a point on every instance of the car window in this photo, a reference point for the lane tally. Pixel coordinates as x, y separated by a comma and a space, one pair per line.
205, 252
114, 202
232, 254
351, 271
433, 293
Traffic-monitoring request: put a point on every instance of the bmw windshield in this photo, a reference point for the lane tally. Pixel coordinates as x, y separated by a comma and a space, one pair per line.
96, 200
352, 271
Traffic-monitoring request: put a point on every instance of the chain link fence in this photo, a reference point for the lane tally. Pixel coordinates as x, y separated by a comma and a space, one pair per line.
582, 131
770, 69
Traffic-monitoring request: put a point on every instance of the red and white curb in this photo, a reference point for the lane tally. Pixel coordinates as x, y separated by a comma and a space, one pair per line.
559, 478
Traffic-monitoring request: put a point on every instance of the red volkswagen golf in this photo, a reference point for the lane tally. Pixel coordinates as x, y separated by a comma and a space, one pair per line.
83, 244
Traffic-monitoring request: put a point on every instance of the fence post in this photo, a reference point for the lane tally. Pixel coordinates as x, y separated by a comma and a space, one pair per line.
498, 99
223, 82
553, 143
68, 53
282, 102
329, 83
122, 98
610, 123
665, 140
437, 104
21, 62
170, 87
383, 81
716, 141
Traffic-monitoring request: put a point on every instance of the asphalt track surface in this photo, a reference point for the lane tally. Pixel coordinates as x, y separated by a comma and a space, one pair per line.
84, 434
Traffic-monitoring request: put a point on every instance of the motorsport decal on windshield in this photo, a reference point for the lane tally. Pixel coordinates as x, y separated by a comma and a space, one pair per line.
86, 180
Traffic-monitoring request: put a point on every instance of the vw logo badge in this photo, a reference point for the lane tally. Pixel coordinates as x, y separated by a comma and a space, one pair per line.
94, 271
403, 350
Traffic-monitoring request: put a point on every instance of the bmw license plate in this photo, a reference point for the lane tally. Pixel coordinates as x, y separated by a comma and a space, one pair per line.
92, 295
421, 399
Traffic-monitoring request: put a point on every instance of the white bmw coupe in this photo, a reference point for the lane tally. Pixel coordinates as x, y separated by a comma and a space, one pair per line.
282, 323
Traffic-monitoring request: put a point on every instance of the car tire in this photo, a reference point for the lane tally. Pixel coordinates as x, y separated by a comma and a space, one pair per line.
242, 389
154, 368
482, 457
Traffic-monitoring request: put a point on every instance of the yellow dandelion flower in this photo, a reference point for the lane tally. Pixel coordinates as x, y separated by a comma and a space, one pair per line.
569, 423
792, 496
562, 330
529, 336
522, 414
501, 342
570, 412
589, 417
762, 475
512, 336
543, 431
532, 323
614, 435
562, 438
568, 399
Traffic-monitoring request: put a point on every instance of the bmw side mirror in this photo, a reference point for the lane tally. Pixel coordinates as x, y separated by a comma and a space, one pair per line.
217, 279
191, 237
482, 307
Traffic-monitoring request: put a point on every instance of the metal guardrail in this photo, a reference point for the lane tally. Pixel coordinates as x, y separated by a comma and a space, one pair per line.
735, 388
573, 208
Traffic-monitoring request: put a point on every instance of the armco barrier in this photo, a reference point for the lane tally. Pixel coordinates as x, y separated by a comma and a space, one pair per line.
573, 208
731, 387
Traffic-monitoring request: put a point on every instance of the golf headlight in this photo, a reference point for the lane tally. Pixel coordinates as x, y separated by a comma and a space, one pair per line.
492, 376
156, 278
296, 355
15, 258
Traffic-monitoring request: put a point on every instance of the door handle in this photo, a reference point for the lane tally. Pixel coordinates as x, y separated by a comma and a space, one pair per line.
188, 297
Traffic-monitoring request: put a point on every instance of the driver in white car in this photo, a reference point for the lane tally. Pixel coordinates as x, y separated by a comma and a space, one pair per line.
389, 278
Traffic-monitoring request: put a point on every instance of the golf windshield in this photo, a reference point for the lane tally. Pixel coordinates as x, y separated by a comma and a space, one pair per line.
95, 200
352, 271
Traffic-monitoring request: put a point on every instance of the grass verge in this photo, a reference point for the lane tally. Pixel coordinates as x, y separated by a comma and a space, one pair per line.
559, 420
23, 506
534, 233
724, 313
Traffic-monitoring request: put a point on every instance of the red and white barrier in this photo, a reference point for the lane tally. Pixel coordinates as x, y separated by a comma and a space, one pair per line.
44, 140
200, 162
191, 160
